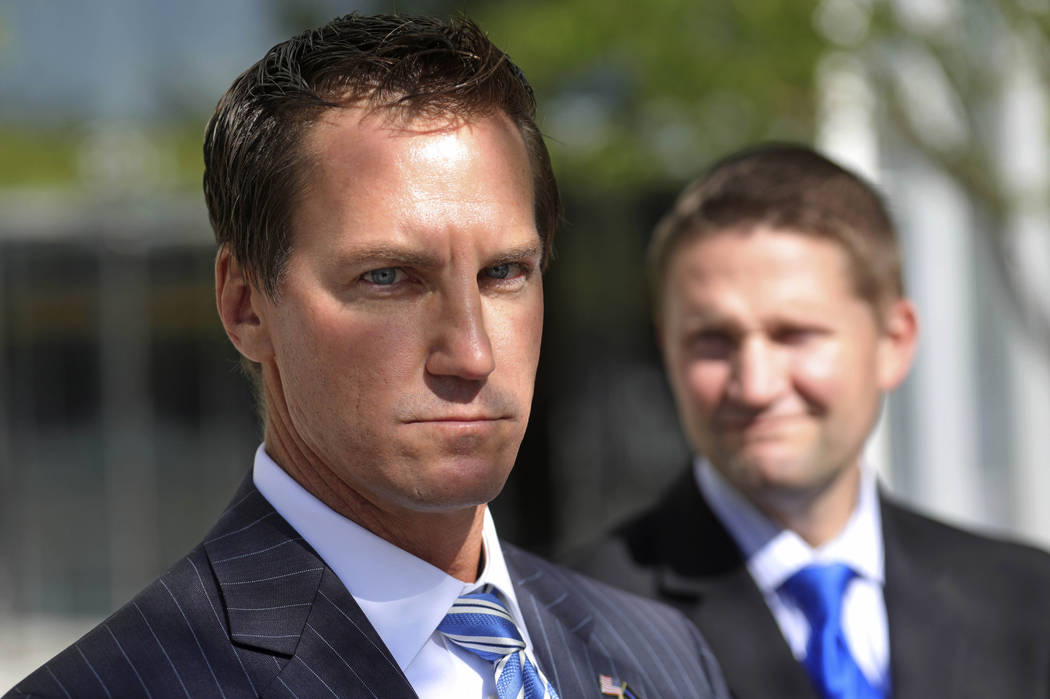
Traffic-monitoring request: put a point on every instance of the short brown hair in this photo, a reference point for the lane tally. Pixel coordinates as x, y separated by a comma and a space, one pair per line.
254, 162
792, 188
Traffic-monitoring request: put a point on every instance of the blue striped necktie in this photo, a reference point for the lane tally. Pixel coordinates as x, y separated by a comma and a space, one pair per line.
818, 590
480, 622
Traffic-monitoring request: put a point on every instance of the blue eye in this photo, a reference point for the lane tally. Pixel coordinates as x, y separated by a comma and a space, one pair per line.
382, 277
499, 271
506, 271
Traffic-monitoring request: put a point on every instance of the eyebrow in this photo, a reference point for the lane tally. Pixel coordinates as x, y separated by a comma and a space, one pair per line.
388, 254
705, 323
396, 255
519, 254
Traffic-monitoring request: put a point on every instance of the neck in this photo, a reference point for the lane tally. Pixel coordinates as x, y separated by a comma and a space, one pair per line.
450, 540
817, 515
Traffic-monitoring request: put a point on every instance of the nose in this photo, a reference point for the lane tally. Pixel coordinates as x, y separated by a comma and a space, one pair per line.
759, 374
461, 345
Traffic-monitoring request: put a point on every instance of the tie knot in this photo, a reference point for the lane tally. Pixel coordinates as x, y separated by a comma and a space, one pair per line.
480, 622
818, 590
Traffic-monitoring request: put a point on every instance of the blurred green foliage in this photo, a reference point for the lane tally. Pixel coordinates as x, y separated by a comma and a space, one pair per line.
632, 96
638, 96
37, 157
167, 157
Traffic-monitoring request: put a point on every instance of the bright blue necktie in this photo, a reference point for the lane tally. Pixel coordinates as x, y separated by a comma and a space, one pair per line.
481, 623
818, 590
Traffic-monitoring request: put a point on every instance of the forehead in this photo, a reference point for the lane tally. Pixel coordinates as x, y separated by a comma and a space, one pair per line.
373, 139
763, 268
376, 173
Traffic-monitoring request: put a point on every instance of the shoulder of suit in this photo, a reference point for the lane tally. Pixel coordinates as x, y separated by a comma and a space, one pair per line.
921, 528
630, 555
586, 588
992, 564
647, 530
678, 536
170, 636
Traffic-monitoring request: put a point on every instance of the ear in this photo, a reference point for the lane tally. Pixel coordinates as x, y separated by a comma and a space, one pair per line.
900, 334
242, 308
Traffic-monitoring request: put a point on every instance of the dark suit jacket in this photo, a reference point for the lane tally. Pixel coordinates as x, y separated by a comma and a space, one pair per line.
253, 611
968, 616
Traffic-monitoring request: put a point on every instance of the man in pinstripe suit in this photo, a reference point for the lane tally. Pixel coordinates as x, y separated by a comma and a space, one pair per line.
384, 207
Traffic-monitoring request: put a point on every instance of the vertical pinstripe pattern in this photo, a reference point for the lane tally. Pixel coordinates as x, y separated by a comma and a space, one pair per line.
581, 629
254, 612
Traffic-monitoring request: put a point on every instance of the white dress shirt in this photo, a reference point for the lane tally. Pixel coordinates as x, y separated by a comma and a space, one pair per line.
404, 597
774, 554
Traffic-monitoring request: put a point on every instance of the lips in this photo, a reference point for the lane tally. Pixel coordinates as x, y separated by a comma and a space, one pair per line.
758, 422
457, 419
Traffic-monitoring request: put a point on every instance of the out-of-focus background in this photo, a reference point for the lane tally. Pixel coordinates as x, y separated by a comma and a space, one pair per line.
125, 426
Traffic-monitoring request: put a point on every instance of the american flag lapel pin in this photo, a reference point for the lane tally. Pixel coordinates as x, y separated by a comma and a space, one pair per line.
612, 687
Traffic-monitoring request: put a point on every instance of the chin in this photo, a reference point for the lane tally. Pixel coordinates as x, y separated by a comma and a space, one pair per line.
461, 483
765, 472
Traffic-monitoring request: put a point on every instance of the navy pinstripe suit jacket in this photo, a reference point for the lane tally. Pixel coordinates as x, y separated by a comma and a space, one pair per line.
253, 611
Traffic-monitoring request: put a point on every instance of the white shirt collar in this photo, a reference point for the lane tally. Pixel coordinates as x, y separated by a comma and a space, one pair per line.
774, 554
404, 597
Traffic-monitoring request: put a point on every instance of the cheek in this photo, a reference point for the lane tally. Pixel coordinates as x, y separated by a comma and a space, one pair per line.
703, 384
515, 331
818, 367
337, 347
831, 372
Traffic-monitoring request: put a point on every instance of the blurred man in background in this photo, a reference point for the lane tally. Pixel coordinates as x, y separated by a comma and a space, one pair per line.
781, 316
384, 207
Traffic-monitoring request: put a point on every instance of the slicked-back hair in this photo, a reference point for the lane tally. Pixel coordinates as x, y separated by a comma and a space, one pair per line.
255, 162
790, 188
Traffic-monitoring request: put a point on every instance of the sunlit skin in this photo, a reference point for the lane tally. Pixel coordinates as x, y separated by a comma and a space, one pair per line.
778, 368
399, 357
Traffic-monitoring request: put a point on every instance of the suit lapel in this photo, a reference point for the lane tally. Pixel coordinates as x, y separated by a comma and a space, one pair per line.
745, 638
921, 604
705, 573
280, 598
559, 641
340, 653
267, 574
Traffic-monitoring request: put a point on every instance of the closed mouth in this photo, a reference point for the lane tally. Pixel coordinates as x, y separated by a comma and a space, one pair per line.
757, 421
457, 419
